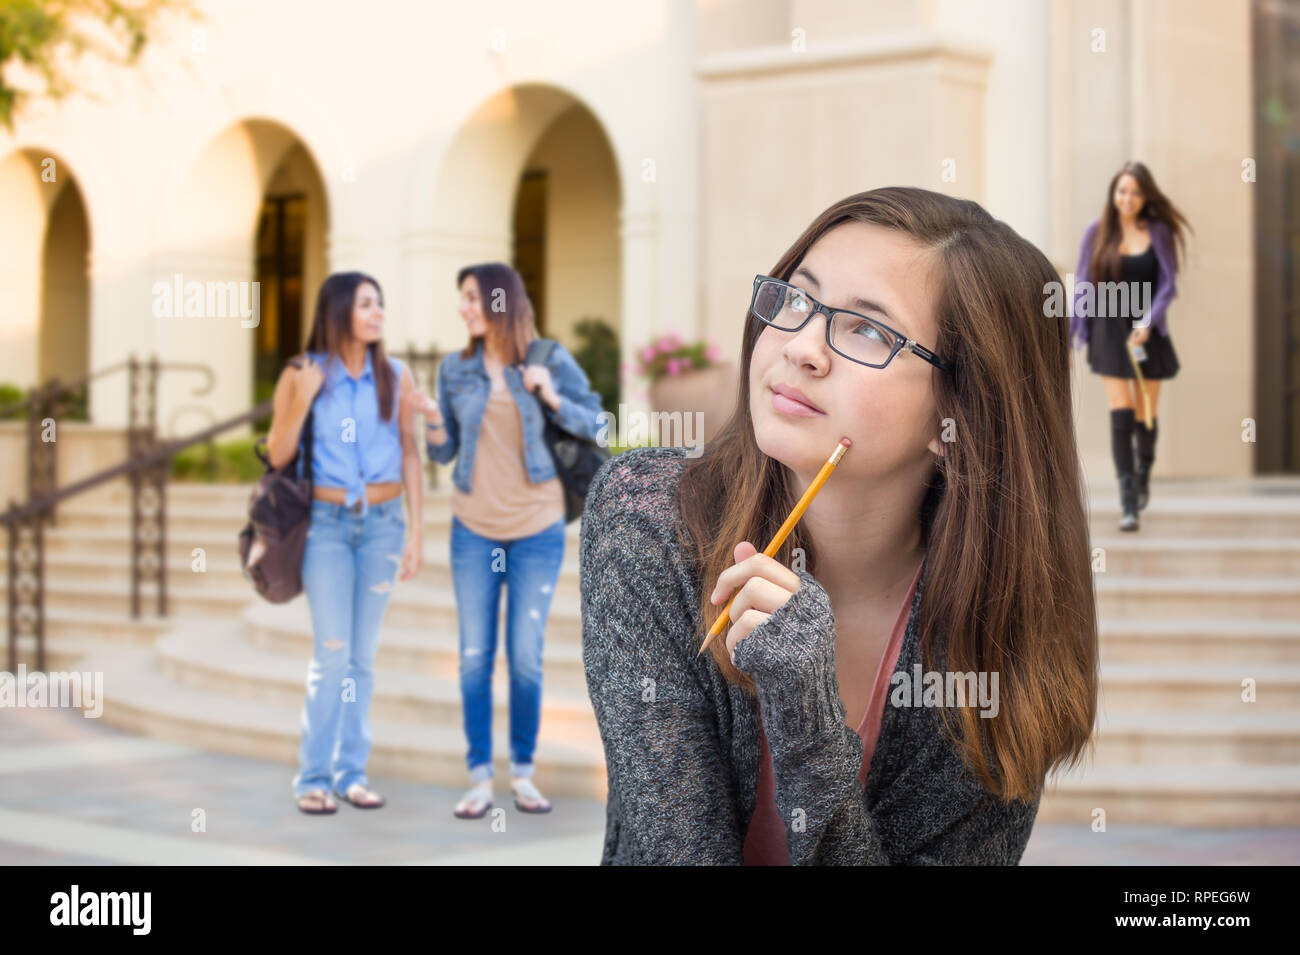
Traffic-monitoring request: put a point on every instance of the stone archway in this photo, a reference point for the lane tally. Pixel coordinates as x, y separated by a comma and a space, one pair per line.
531, 179
252, 209
44, 247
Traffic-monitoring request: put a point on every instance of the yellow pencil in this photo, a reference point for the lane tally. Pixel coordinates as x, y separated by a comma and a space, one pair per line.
775, 544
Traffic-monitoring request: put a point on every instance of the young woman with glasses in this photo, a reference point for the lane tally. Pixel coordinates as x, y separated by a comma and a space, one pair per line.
1129, 249
363, 453
508, 510
948, 550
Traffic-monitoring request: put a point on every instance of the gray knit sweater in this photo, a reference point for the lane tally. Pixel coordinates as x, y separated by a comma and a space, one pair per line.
682, 744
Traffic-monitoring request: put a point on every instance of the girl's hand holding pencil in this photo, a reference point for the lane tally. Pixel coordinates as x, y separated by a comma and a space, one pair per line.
762, 584
768, 594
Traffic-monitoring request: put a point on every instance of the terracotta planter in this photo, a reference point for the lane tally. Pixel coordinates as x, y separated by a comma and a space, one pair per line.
710, 391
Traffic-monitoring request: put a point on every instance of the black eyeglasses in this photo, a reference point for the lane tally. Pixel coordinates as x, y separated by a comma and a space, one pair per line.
866, 341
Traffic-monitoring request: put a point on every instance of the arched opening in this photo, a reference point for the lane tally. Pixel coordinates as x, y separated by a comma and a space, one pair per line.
44, 247
566, 225
531, 179
285, 245
251, 213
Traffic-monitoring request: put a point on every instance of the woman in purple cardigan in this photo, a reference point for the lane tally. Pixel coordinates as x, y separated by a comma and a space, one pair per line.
1124, 283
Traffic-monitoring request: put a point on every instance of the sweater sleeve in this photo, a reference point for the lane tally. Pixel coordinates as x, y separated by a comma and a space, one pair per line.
1078, 309
670, 799
933, 813
1162, 240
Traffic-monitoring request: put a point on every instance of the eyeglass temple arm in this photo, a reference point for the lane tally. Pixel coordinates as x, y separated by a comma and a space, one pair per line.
925, 353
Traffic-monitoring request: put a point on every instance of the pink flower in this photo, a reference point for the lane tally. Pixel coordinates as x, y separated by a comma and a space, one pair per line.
713, 353
673, 364
648, 353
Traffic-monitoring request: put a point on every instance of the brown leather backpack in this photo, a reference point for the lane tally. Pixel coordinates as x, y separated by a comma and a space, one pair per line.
272, 544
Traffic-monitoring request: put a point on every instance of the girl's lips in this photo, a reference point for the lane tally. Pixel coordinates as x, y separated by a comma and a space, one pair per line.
791, 407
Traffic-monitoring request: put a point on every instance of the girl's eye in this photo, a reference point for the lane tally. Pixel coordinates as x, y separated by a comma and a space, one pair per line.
867, 330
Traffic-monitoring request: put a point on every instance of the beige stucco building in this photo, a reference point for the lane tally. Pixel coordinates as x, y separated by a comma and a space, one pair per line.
611, 151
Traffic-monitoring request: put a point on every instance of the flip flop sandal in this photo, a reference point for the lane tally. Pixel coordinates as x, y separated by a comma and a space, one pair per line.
529, 792
324, 809
357, 793
474, 797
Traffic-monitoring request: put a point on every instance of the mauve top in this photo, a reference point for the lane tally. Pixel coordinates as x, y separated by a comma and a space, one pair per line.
765, 840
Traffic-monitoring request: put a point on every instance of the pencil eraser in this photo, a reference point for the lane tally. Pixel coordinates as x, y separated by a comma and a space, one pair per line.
847, 442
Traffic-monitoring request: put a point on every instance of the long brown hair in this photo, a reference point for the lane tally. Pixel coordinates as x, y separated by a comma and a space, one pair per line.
512, 326
1009, 582
1156, 208
331, 326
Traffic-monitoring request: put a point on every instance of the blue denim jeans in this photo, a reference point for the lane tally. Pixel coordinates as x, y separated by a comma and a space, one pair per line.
348, 573
529, 567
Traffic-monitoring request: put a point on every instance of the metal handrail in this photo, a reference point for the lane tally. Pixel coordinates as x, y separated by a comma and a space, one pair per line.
54, 389
146, 471
146, 468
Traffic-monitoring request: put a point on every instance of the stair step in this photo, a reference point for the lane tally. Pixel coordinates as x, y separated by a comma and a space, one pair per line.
139, 698
1210, 687
1125, 597
1175, 796
105, 555
1147, 737
286, 629
1204, 640
414, 604
214, 656
1149, 555
1194, 515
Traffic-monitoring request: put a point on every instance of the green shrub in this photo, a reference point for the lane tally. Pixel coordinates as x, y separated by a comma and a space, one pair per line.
598, 355
226, 462
71, 407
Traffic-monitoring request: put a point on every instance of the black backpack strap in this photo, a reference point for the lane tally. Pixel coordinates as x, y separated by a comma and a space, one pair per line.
305, 439
539, 351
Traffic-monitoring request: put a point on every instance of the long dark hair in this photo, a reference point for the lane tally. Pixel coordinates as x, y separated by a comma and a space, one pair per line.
511, 327
331, 326
1156, 207
1010, 585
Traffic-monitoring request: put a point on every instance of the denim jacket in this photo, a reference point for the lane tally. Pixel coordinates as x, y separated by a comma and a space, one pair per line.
462, 394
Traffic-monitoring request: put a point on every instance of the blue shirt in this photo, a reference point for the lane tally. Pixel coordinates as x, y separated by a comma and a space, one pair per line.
351, 445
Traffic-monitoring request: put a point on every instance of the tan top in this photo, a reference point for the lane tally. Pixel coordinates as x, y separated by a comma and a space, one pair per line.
503, 504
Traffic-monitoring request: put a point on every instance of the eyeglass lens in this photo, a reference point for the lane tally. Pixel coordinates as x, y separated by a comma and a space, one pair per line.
859, 338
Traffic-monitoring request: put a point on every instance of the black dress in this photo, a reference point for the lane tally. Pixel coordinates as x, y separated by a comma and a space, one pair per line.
1107, 334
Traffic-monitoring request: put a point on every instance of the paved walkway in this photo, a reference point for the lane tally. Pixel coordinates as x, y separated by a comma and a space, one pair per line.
75, 791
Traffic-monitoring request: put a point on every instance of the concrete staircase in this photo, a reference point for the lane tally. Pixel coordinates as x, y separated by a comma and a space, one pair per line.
227, 671
1206, 595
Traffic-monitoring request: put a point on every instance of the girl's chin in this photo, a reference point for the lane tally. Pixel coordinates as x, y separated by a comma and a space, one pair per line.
793, 446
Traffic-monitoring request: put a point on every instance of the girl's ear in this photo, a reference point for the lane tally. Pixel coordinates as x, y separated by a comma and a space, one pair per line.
936, 446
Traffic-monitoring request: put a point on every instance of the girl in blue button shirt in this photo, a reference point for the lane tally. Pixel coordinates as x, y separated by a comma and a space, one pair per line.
363, 454
499, 318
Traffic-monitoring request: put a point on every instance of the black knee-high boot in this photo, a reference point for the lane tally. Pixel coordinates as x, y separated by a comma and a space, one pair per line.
1145, 441
1121, 449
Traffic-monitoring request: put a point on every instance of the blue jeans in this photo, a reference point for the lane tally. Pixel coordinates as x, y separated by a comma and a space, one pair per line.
348, 572
529, 567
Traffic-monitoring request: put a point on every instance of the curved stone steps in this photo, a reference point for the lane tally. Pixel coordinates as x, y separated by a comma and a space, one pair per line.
140, 698
215, 657
286, 629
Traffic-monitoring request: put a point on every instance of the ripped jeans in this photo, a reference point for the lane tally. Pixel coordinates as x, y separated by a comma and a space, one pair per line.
529, 567
348, 572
